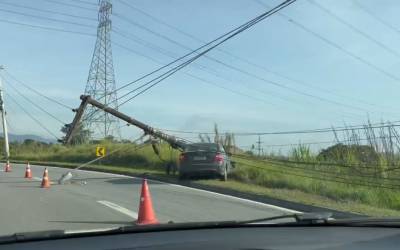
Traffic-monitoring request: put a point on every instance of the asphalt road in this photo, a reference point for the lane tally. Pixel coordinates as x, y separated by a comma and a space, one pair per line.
100, 200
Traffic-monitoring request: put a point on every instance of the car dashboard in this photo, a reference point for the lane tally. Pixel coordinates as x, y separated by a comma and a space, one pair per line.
245, 237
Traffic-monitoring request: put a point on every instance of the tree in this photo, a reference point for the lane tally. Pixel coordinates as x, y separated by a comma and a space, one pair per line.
110, 138
81, 135
29, 141
249, 152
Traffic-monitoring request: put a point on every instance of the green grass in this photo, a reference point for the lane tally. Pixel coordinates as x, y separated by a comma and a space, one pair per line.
303, 197
266, 175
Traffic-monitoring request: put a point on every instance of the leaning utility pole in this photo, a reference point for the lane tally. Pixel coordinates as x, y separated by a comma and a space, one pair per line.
4, 122
148, 130
101, 82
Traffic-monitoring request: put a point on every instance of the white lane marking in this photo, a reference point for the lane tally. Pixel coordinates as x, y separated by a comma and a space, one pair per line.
287, 210
237, 198
119, 209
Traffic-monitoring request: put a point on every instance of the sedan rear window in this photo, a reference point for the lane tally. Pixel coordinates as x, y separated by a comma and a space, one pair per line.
203, 146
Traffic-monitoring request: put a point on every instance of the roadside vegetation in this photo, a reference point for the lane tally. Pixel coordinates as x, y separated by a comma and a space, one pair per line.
126, 154
354, 174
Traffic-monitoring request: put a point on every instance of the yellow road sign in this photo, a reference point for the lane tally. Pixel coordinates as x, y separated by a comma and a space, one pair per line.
100, 151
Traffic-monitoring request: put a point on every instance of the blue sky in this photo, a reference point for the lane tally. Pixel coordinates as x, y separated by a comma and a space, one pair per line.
57, 65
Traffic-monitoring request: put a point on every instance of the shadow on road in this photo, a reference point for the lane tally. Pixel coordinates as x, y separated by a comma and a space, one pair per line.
94, 178
11, 177
132, 181
93, 222
30, 181
30, 186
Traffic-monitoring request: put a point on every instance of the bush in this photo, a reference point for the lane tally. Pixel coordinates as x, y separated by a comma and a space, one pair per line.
349, 154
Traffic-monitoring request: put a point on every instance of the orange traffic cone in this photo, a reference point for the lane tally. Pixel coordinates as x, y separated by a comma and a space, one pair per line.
146, 212
8, 167
28, 172
46, 179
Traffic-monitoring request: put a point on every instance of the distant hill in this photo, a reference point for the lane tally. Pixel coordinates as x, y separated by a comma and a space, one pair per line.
21, 138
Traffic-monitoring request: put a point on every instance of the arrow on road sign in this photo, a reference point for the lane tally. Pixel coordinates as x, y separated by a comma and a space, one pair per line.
100, 151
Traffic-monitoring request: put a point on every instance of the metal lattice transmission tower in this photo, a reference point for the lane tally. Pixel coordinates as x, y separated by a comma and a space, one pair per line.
101, 82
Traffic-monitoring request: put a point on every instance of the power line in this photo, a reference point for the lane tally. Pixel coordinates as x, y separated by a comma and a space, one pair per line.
201, 67
32, 117
294, 165
46, 18
34, 104
85, 2
240, 70
307, 131
336, 46
161, 50
230, 90
238, 31
317, 163
37, 92
353, 167
70, 5
385, 23
259, 18
336, 179
48, 11
121, 149
155, 19
324, 142
196, 77
47, 28
355, 29
188, 74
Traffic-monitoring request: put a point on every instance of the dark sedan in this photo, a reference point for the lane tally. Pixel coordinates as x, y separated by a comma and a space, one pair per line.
204, 159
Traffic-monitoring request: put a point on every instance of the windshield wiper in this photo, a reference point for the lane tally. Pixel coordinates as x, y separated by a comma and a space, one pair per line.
325, 218
368, 221
303, 218
62, 234
29, 236
59, 234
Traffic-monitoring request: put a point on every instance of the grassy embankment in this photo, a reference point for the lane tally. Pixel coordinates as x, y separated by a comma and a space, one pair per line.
314, 184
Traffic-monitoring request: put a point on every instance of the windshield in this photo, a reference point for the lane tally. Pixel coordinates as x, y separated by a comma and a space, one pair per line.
117, 113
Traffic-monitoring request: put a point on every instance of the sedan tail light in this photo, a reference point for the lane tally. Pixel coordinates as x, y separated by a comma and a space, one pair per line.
219, 158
